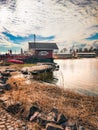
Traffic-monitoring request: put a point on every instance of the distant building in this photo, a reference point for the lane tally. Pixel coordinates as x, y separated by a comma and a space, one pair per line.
86, 54
42, 52
22, 51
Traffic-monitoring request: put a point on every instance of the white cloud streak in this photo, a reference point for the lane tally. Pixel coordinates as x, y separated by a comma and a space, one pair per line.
68, 20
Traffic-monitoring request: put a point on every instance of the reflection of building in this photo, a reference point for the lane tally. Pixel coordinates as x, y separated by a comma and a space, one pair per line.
42, 51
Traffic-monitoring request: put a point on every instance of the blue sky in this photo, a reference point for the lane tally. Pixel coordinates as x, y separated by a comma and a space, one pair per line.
19, 39
93, 37
65, 22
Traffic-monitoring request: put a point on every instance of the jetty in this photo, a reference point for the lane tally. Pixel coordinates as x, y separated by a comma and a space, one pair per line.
40, 68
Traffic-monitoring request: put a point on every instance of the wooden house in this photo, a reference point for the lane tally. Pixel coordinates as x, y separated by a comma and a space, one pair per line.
42, 52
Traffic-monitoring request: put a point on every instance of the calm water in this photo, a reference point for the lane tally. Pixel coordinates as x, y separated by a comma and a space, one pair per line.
79, 75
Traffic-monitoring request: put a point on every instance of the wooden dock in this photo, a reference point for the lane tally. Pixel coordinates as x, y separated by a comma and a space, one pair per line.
39, 68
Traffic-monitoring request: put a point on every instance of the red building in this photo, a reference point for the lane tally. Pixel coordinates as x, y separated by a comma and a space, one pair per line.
42, 51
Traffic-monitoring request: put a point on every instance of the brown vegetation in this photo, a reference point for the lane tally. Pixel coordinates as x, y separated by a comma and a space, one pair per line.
83, 109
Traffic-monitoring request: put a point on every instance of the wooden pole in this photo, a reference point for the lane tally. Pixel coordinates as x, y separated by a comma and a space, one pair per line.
34, 38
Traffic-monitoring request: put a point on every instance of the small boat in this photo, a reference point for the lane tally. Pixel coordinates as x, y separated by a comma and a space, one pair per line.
16, 61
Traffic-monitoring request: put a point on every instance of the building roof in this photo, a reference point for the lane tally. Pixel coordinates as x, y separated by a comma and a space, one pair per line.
42, 46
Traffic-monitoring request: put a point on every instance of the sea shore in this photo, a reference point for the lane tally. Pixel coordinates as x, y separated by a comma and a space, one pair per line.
25, 91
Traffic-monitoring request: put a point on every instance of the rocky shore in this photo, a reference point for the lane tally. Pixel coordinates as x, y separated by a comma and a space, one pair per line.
18, 94
8, 122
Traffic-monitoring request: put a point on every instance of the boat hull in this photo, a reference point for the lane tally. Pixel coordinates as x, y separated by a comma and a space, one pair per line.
16, 61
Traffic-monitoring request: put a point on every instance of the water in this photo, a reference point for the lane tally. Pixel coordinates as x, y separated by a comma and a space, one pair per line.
80, 75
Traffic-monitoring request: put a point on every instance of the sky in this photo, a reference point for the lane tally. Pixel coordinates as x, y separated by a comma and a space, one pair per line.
65, 22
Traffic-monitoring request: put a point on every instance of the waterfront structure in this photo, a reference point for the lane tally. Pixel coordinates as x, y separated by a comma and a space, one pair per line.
38, 52
74, 55
42, 52
86, 54
62, 55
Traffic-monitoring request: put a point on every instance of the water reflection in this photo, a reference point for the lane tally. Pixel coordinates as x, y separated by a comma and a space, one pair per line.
79, 74
46, 77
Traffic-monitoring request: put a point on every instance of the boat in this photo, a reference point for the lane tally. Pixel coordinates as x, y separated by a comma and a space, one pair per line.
15, 61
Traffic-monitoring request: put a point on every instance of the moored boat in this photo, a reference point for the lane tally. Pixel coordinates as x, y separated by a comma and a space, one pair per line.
16, 61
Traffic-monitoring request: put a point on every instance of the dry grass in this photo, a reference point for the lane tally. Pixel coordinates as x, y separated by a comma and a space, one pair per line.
82, 108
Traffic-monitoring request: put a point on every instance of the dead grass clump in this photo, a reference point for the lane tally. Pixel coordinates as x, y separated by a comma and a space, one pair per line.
34, 126
75, 106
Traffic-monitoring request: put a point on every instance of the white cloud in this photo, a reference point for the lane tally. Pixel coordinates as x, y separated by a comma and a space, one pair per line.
69, 21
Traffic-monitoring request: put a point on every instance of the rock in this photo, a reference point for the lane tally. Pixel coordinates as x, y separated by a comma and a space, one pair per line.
1, 81
1, 123
1, 85
24, 127
57, 118
10, 70
18, 121
35, 127
4, 87
5, 74
81, 128
4, 129
61, 119
34, 116
51, 126
16, 129
14, 109
25, 72
33, 109
71, 125
7, 122
2, 126
11, 128
7, 87
42, 121
1, 91
52, 115
8, 126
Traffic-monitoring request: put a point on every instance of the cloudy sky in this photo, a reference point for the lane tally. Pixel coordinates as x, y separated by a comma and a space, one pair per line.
66, 22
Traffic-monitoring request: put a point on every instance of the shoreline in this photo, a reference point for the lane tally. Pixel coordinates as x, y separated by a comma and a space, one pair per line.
81, 108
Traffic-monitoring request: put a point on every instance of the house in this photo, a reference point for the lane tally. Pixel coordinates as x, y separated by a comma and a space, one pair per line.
42, 52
